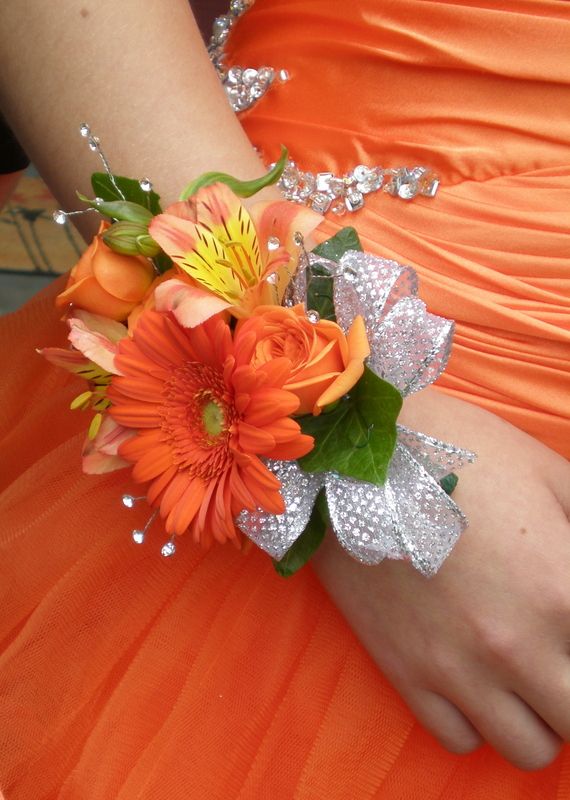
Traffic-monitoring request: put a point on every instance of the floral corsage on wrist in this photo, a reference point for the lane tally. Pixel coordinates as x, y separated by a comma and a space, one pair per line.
254, 387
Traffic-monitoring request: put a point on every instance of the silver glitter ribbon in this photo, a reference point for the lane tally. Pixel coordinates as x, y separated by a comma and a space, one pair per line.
410, 516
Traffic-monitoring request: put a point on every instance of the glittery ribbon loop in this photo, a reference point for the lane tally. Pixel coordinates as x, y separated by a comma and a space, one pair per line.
410, 516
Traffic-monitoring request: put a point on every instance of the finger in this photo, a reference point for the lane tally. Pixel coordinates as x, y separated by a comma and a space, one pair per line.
550, 697
444, 720
513, 728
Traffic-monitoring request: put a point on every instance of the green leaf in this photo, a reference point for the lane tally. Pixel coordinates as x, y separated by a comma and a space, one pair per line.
449, 483
240, 188
320, 291
103, 187
320, 295
335, 247
307, 543
357, 438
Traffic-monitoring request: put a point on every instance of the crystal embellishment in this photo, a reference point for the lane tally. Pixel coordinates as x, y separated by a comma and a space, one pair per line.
324, 191
410, 516
243, 86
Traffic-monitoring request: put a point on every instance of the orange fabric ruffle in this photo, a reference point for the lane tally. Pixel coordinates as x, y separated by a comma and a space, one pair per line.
127, 677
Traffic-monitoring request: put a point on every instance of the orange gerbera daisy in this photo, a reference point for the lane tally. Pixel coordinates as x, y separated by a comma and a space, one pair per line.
203, 416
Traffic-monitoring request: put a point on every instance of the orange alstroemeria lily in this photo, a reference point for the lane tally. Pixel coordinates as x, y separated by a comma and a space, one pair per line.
228, 252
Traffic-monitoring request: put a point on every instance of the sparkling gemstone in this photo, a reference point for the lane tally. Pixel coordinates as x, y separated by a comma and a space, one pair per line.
265, 74
354, 200
361, 172
93, 143
273, 243
371, 183
283, 75
429, 188
306, 185
84, 130
234, 74
313, 316
339, 208
337, 187
238, 7
138, 536
129, 500
321, 202
406, 187
249, 76
323, 180
272, 279
222, 24
145, 185
60, 217
168, 549
257, 91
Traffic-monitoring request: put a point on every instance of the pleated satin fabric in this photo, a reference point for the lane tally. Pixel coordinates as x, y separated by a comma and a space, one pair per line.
126, 676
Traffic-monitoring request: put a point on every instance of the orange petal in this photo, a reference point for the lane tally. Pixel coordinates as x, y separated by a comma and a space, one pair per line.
269, 404
186, 508
89, 295
125, 277
158, 486
288, 451
153, 463
254, 440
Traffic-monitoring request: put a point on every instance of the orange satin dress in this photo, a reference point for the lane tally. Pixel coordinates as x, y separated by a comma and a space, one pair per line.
127, 677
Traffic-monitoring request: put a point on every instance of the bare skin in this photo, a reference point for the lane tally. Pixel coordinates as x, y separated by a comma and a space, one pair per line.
481, 651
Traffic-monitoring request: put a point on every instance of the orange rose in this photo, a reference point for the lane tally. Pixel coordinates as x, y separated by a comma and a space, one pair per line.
107, 283
326, 363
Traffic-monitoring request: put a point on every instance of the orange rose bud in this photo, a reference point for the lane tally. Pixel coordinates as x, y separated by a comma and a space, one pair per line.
326, 363
107, 283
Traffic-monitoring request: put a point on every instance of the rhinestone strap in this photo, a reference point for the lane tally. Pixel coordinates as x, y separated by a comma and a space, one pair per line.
325, 191
322, 191
243, 86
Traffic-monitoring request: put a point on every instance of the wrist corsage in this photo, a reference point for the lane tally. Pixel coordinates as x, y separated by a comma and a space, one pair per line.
254, 387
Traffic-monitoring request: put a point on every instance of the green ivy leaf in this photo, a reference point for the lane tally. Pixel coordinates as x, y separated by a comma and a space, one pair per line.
320, 291
449, 483
334, 248
320, 295
240, 188
307, 543
103, 187
357, 438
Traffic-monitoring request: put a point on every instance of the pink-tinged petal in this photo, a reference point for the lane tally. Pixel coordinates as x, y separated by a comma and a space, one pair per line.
96, 463
176, 236
101, 453
190, 305
185, 209
215, 205
282, 220
70, 360
112, 330
95, 346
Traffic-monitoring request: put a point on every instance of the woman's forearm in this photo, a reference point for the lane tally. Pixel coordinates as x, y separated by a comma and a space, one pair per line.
137, 72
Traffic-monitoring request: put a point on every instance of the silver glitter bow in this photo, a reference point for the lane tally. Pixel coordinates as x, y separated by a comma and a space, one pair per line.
410, 516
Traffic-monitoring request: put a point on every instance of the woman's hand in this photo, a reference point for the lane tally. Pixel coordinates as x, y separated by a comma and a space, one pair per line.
482, 650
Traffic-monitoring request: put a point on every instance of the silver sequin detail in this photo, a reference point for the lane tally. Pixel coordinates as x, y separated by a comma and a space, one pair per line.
276, 533
409, 517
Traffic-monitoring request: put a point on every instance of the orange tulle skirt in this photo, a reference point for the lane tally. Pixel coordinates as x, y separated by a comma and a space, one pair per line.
127, 677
